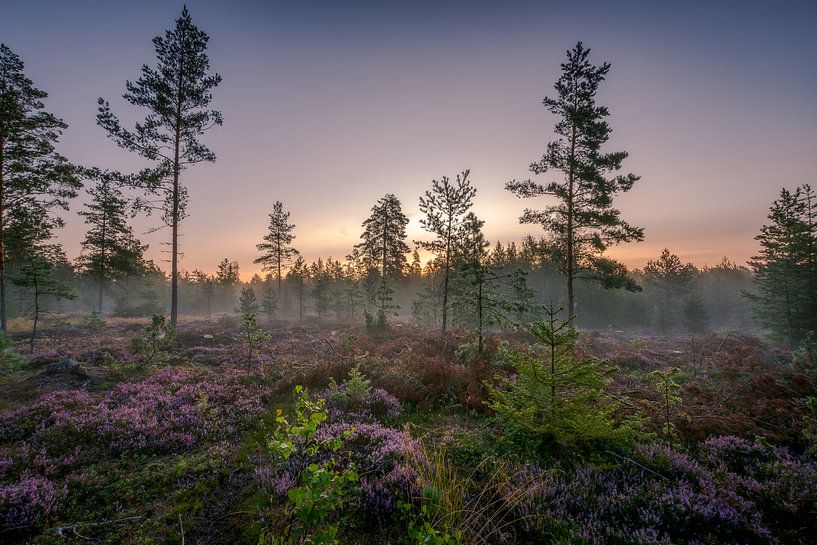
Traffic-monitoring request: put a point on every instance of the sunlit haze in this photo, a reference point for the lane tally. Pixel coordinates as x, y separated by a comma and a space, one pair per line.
329, 105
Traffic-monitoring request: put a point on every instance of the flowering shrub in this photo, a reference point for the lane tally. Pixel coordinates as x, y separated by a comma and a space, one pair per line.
375, 405
28, 502
667, 497
168, 412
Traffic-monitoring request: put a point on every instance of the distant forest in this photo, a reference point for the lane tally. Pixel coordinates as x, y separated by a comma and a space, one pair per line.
469, 282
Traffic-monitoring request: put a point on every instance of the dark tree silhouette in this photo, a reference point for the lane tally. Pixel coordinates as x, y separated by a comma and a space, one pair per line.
109, 247
176, 93
384, 238
34, 179
583, 223
384, 247
445, 208
786, 266
277, 250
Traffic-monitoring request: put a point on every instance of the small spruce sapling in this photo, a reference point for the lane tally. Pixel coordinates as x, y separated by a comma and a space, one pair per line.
556, 396
253, 335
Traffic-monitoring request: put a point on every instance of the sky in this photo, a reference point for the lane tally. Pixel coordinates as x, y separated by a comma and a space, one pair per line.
329, 105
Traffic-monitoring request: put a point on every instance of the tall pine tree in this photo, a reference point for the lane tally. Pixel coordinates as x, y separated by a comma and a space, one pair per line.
583, 223
384, 248
445, 207
277, 250
384, 238
176, 94
786, 266
34, 179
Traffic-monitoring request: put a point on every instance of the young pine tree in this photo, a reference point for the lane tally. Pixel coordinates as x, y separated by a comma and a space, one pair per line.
276, 250
34, 179
583, 222
38, 276
247, 302
269, 300
477, 291
696, 316
445, 207
109, 248
786, 266
176, 94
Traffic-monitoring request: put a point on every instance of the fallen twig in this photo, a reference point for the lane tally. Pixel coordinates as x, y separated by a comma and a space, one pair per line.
642, 466
60, 530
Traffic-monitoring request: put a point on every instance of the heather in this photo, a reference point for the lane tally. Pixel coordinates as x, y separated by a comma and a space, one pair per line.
335, 434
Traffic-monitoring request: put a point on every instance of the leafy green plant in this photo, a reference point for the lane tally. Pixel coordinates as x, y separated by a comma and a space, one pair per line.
323, 488
638, 344
558, 397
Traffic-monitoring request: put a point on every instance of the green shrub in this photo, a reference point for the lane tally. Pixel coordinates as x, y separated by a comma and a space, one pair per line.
95, 322
10, 359
323, 488
557, 397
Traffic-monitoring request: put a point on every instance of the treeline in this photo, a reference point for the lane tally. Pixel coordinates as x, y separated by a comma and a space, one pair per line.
468, 280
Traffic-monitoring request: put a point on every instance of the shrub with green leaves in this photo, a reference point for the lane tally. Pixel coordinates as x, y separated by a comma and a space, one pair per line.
322, 488
558, 397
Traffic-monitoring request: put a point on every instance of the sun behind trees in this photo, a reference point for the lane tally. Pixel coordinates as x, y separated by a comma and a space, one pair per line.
426, 395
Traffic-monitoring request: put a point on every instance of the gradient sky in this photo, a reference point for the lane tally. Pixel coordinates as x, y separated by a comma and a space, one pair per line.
329, 105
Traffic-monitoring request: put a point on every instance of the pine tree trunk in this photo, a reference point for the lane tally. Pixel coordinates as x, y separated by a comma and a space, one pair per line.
446, 276
36, 314
174, 259
102, 265
3, 324
570, 242
480, 304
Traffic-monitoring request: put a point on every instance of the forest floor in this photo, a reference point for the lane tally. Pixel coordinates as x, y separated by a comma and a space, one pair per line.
102, 440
